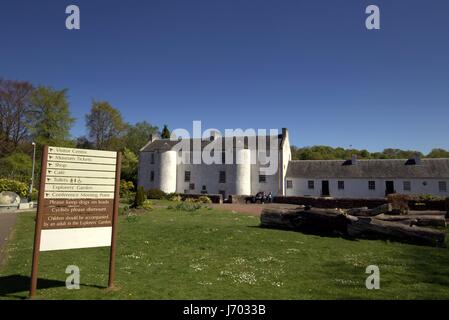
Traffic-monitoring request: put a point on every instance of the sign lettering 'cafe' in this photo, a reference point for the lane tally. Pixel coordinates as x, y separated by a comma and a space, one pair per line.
78, 202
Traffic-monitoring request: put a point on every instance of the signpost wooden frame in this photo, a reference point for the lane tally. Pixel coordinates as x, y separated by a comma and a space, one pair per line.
40, 216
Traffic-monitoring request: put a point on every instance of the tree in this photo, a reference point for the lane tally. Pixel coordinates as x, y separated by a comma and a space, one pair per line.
14, 107
438, 153
83, 143
105, 125
50, 120
16, 166
138, 135
165, 133
129, 166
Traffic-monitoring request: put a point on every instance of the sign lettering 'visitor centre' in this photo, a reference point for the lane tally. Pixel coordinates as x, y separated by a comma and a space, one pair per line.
78, 202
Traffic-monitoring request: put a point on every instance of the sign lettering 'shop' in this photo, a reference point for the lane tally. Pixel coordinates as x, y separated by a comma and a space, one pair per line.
78, 202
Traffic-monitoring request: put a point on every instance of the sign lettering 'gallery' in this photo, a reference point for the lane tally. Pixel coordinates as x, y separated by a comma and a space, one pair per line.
78, 201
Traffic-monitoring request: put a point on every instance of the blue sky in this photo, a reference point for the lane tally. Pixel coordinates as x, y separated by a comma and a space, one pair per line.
309, 65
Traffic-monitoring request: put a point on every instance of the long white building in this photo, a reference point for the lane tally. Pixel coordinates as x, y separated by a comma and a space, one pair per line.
162, 167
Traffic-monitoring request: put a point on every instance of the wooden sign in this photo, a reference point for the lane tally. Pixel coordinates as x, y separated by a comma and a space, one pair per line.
78, 203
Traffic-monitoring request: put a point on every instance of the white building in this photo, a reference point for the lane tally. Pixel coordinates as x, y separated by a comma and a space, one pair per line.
367, 178
160, 167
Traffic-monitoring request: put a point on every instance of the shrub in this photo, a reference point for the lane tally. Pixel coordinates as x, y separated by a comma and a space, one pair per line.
18, 187
147, 205
204, 199
126, 188
140, 197
156, 194
175, 198
399, 202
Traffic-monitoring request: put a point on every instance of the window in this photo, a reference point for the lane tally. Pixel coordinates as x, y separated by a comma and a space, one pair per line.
311, 184
187, 176
372, 185
341, 185
442, 186
407, 186
223, 157
289, 184
192, 186
222, 178
262, 178
152, 158
152, 176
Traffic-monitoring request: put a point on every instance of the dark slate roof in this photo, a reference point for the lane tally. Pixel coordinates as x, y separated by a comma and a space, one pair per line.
167, 144
400, 168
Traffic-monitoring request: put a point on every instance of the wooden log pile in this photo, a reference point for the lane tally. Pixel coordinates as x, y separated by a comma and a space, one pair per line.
377, 223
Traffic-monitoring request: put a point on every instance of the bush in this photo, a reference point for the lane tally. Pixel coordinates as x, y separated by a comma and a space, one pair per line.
147, 205
399, 202
204, 199
126, 188
18, 187
156, 194
175, 198
140, 197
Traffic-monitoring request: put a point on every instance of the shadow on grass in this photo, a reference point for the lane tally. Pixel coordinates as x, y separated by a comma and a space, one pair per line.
11, 285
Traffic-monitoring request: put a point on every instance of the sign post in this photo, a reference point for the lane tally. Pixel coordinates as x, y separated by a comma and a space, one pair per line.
79, 195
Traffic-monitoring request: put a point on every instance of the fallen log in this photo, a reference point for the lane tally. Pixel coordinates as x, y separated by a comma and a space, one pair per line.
376, 228
323, 222
415, 220
316, 220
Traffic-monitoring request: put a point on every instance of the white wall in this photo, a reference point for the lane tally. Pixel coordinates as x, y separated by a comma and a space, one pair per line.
358, 188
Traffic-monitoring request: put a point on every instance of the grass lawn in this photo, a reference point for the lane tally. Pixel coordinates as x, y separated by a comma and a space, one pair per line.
212, 254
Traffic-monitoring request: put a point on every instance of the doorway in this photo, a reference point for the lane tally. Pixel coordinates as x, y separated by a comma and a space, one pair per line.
389, 187
325, 188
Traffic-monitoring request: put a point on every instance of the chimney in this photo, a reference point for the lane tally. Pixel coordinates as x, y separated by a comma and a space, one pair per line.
153, 137
354, 159
284, 133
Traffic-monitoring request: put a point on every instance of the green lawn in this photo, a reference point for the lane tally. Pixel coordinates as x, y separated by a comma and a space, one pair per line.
211, 254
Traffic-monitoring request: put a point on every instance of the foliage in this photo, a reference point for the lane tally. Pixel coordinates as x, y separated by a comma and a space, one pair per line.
140, 197
147, 205
156, 194
105, 125
129, 165
126, 188
399, 202
165, 133
16, 166
330, 153
175, 198
438, 153
50, 117
137, 135
18, 187
14, 108
204, 199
